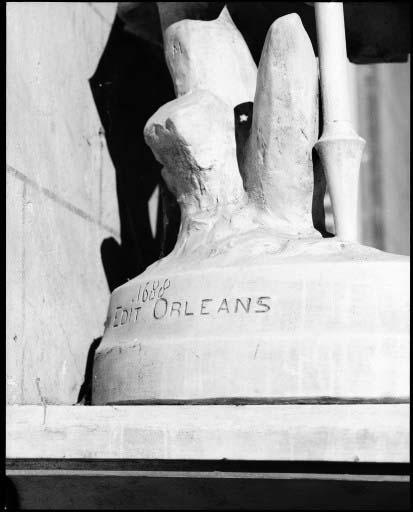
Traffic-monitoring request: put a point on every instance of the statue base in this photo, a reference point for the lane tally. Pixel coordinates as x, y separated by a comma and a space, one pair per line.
324, 326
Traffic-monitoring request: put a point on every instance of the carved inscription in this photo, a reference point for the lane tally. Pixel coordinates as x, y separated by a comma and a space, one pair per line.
152, 290
146, 293
164, 308
153, 293
125, 315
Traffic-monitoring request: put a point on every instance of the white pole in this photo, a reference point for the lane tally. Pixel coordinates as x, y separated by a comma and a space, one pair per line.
339, 147
333, 61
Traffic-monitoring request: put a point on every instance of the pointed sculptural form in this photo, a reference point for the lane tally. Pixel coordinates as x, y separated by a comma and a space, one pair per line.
279, 171
252, 305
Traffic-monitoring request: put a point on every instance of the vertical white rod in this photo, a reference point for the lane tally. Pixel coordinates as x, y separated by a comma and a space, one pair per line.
339, 147
332, 54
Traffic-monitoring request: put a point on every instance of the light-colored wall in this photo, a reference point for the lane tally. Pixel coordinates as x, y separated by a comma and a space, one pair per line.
384, 122
380, 101
61, 197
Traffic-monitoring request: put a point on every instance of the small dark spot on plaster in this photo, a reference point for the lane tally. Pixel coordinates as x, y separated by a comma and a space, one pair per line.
304, 134
256, 350
42, 398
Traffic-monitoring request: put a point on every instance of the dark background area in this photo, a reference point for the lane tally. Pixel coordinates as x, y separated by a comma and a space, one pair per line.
129, 85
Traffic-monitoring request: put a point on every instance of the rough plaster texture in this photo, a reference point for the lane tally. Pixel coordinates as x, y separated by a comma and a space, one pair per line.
195, 138
61, 197
279, 170
210, 55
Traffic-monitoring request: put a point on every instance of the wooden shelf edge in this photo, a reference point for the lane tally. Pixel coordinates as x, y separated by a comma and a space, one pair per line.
330, 433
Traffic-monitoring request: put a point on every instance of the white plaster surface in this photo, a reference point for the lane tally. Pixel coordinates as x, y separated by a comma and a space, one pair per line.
61, 197
210, 55
271, 328
279, 170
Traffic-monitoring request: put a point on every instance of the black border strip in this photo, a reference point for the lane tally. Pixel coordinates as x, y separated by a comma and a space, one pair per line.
320, 400
224, 465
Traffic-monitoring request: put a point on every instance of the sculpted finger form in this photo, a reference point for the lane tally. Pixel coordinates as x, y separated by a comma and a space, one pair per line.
279, 172
210, 55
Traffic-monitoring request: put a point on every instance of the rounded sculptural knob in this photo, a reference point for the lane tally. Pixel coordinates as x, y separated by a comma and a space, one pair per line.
193, 138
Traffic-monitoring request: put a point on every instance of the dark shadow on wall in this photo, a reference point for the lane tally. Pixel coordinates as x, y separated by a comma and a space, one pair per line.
320, 183
130, 83
375, 31
85, 392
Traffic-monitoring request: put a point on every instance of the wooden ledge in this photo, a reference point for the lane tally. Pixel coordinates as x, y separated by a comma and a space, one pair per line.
330, 433
214, 457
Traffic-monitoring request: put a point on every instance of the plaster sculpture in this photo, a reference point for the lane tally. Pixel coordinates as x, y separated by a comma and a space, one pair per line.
252, 304
279, 172
210, 55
